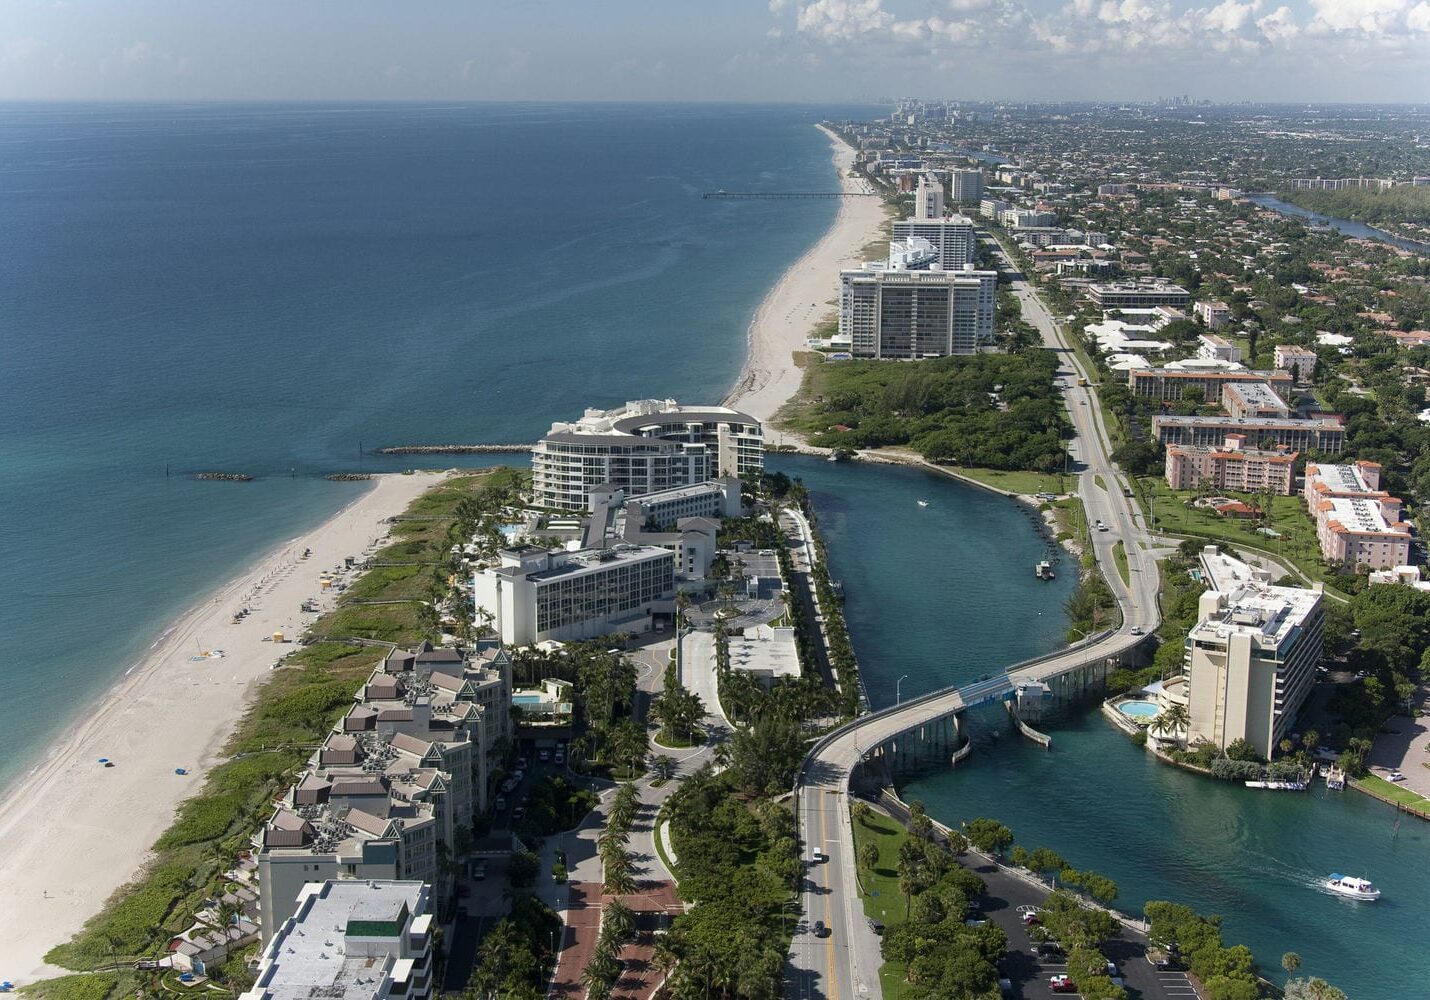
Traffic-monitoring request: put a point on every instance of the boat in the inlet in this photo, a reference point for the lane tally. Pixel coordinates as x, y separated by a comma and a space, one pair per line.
1280, 786
1044, 570
1352, 887
923, 503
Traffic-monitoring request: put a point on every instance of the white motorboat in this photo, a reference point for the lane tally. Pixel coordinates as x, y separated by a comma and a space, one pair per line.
923, 503
1352, 887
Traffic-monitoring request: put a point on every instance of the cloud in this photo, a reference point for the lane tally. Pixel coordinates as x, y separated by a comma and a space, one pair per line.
1146, 32
137, 54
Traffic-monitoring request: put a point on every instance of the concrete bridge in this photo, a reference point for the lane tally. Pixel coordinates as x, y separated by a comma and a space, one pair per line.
845, 964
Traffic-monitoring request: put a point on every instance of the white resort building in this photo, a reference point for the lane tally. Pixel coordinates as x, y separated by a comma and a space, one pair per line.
906, 314
954, 238
536, 595
1251, 657
351, 940
646, 446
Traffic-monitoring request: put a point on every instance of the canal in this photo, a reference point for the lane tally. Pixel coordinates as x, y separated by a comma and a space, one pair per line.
945, 593
1347, 227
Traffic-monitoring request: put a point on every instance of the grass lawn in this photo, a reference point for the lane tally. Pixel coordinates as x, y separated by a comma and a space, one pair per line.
1397, 793
1026, 483
880, 888
1101, 483
1072, 522
1297, 543
1119, 556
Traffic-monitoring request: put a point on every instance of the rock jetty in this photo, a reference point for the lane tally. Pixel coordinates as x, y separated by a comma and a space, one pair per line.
225, 477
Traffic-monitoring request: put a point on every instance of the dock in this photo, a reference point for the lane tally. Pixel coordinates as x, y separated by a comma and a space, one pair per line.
455, 449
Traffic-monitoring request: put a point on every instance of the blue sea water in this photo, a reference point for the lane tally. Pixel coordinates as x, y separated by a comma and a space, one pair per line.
266, 289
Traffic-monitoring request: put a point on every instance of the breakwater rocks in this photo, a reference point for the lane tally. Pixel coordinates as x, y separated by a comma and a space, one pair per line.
349, 477
224, 477
455, 449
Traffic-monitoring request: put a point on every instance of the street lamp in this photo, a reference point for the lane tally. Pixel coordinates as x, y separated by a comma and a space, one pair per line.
897, 685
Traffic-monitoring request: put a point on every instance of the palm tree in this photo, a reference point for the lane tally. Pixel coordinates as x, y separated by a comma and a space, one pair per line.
620, 918
1290, 961
663, 767
1171, 720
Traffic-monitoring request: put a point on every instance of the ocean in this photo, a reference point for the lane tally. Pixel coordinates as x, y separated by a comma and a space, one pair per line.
276, 290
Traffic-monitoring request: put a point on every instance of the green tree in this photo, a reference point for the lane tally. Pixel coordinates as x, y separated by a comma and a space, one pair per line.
988, 835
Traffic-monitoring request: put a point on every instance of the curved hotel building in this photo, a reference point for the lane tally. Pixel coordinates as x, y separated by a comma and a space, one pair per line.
646, 446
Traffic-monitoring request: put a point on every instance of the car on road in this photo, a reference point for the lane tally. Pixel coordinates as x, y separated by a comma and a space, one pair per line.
501, 802
518, 813
145, 964
560, 757
1031, 920
817, 856
544, 756
1136, 629
1101, 527
1396, 776
1061, 984
479, 871
820, 930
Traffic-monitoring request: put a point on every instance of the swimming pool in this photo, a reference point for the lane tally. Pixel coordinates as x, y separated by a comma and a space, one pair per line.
528, 699
1139, 709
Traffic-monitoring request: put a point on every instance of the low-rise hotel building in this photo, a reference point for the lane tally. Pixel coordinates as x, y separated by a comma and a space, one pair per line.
1142, 294
1251, 657
902, 314
1357, 523
368, 939
536, 595
1214, 316
1172, 381
1231, 467
1253, 399
1299, 361
646, 446
1324, 434
1215, 347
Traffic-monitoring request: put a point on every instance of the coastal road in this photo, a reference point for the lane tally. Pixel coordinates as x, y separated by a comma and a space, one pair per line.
846, 964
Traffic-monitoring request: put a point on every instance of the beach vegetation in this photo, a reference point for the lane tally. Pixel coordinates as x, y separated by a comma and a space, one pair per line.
291, 713
514, 959
88, 987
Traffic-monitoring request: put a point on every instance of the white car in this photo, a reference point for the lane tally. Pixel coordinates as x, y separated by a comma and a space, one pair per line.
1101, 526
818, 857
1396, 776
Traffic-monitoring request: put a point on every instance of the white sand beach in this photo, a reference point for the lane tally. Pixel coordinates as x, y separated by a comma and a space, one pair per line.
75, 830
805, 294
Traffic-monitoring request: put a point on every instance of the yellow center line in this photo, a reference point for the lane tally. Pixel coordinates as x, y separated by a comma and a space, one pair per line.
828, 926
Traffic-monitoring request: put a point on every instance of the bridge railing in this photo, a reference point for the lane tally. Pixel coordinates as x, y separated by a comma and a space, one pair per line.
854, 724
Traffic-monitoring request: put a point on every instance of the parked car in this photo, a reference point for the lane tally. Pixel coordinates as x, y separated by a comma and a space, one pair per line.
479, 870
501, 802
560, 757
518, 813
145, 964
1061, 984
544, 756
876, 926
1396, 776
1049, 950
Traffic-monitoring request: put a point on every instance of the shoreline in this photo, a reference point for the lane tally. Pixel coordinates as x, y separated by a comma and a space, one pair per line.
796, 303
65, 852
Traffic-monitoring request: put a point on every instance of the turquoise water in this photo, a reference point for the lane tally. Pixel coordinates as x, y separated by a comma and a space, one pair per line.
527, 699
267, 289
948, 598
1139, 709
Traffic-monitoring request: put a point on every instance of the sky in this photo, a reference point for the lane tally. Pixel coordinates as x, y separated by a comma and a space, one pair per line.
714, 50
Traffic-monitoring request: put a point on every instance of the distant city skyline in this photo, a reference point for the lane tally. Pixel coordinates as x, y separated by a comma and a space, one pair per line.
735, 50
